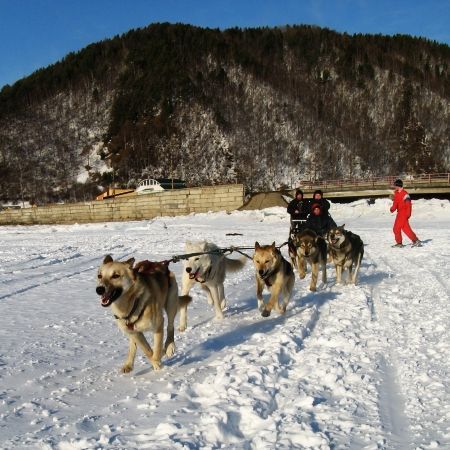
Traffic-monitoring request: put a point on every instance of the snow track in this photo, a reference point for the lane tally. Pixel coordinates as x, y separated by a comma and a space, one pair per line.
418, 342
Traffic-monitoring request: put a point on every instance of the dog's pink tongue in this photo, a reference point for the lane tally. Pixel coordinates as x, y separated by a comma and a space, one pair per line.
194, 275
105, 300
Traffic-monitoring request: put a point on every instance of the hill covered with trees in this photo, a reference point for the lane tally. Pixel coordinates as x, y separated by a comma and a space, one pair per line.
264, 107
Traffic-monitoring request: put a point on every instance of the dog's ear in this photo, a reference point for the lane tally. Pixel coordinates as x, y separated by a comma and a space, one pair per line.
273, 245
257, 245
108, 259
342, 226
130, 262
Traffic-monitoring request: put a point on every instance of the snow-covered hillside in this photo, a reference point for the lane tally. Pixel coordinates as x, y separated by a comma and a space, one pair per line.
347, 367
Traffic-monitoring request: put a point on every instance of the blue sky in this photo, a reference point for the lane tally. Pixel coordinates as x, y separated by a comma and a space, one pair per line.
36, 33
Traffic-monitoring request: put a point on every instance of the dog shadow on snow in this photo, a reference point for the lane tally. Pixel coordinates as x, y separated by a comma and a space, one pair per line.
243, 333
368, 274
301, 301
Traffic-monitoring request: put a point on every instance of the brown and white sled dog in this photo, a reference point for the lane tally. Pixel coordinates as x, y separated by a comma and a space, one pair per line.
311, 249
137, 296
274, 273
207, 269
346, 250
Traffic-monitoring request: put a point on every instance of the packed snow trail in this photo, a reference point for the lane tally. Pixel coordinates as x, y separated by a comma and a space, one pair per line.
347, 367
415, 319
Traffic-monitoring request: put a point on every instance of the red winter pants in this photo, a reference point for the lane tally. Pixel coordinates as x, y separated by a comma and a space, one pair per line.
402, 224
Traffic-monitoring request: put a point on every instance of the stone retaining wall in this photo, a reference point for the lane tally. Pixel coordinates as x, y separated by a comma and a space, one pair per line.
136, 207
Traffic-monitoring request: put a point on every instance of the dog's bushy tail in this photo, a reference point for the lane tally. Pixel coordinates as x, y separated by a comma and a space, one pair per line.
233, 265
184, 300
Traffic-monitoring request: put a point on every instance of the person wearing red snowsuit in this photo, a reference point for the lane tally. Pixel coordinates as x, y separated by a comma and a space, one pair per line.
402, 204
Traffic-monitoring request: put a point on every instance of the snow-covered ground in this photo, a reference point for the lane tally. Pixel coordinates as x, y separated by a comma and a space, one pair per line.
347, 367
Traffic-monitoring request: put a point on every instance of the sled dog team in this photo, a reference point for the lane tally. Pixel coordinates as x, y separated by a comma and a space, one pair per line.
140, 293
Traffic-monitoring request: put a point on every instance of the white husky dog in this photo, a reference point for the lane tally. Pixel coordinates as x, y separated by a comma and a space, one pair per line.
208, 270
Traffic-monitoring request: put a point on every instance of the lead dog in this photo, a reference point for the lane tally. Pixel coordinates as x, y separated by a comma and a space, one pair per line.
137, 296
208, 269
346, 250
274, 273
312, 249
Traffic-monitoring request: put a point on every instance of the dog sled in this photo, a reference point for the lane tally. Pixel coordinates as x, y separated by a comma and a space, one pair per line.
297, 226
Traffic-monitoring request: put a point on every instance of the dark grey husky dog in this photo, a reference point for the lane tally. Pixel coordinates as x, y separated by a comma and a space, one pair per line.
346, 251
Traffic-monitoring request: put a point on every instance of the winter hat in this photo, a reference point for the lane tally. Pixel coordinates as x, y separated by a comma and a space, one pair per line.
298, 191
314, 206
398, 183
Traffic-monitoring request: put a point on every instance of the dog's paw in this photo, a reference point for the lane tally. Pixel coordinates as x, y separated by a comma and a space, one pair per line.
181, 329
302, 275
156, 365
265, 313
170, 350
126, 368
223, 304
313, 289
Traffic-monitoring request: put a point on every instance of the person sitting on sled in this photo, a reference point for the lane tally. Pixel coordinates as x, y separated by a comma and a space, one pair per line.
319, 220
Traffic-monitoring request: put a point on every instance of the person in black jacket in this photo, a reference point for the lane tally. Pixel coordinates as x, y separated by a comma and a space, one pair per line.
323, 202
319, 220
298, 208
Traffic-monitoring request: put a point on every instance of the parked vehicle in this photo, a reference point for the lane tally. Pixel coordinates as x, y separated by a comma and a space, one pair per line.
149, 186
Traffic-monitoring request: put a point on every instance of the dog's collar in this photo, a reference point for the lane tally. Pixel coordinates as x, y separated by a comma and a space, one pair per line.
130, 325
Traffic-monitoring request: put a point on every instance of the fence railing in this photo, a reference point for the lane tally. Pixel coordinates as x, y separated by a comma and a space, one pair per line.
378, 182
